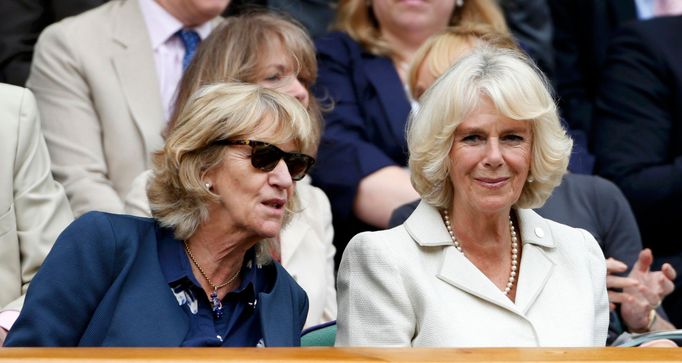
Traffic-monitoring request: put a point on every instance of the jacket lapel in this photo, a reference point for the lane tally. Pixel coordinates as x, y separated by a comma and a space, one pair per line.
134, 66
536, 266
391, 92
459, 272
148, 312
426, 228
277, 325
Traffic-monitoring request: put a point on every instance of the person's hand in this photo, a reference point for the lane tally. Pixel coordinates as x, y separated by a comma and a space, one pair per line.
613, 281
3, 335
638, 300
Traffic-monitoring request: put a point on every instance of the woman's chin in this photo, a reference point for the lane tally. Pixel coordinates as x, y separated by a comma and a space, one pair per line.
270, 229
493, 205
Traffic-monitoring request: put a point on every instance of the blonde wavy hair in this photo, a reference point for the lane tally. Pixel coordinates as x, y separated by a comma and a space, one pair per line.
177, 194
518, 90
443, 49
356, 18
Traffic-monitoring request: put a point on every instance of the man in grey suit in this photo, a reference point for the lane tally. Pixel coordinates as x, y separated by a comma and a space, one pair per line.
33, 207
104, 81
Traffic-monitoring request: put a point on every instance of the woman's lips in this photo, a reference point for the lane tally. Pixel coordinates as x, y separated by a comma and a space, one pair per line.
275, 203
492, 183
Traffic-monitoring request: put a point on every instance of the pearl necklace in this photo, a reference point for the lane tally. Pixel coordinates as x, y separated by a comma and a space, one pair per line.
216, 304
514, 249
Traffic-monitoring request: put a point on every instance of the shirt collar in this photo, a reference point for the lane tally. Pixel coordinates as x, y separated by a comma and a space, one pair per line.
161, 25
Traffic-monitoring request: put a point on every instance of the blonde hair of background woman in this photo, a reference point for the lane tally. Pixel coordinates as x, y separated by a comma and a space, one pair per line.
442, 49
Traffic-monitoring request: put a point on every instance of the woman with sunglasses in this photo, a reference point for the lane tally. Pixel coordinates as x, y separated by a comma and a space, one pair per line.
199, 272
274, 52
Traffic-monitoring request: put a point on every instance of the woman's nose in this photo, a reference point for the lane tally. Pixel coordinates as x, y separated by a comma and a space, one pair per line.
298, 90
280, 176
493, 154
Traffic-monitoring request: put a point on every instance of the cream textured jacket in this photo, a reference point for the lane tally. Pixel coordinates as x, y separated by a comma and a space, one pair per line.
33, 207
409, 286
306, 243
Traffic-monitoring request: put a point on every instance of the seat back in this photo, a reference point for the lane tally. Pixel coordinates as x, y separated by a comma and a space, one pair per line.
321, 335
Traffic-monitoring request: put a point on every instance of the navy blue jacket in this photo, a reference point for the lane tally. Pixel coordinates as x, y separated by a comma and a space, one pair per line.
365, 130
102, 285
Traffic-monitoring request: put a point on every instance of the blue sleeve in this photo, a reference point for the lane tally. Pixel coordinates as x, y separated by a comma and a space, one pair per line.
67, 289
348, 151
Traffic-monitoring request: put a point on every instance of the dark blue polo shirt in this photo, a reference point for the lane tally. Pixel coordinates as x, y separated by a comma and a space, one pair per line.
240, 324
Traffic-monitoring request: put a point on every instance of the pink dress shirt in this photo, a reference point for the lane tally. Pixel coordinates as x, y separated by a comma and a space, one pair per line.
168, 49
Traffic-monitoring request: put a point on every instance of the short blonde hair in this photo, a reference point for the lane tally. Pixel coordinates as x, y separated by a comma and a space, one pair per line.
356, 18
443, 49
518, 90
177, 194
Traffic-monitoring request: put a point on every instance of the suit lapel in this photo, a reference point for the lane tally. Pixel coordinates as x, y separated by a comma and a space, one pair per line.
277, 322
426, 228
134, 66
171, 324
391, 92
459, 272
147, 308
536, 267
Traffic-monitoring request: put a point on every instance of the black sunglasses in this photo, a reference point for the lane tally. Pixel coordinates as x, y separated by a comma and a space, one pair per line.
266, 156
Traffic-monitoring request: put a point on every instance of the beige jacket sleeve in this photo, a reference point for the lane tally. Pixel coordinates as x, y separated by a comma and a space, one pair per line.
136, 201
33, 207
71, 122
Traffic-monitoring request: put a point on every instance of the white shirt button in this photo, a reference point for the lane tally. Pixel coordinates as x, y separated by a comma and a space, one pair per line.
539, 232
